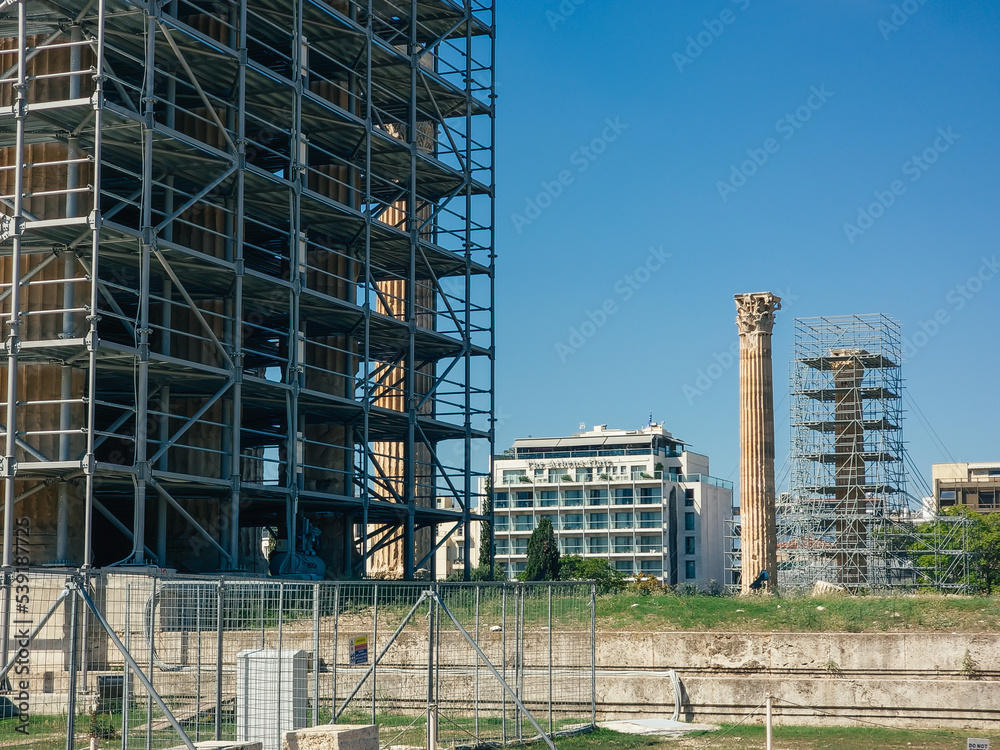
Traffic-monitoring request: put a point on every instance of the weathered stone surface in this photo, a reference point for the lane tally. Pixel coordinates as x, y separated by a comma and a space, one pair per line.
759, 543
332, 737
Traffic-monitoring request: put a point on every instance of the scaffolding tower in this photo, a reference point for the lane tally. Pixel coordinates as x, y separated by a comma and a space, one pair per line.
247, 264
848, 482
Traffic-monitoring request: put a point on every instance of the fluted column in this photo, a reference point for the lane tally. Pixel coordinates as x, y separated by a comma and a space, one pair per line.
759, 543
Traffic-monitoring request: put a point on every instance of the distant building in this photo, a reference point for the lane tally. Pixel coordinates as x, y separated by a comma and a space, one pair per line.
637, 498
976, 486
449, 557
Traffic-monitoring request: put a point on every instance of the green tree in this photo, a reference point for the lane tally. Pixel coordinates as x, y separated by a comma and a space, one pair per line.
486, 527
543, 554
576, 568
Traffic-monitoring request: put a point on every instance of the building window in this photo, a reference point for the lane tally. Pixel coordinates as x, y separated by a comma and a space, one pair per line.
584, 475
689, 545
597, 545
624, 567
555, 474
649, 496
650, 519
623, 544
547, 498
689, 570
523, 523
689, 521
623, 520
597, 497
524, 499
573, 521
597, 520
512, 476
623, 496
500, 523
553, 519
987, 499
460, 553
573, 497
651, 567
516, 568
637, 472
520, 546
571, 545
650, 543
503, 546
500, 500
689, 497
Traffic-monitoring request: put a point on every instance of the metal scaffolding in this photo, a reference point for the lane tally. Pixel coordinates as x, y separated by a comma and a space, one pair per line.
247, 263
848, 482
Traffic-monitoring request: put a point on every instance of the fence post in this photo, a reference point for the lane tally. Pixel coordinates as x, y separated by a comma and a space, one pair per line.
593, 654
550, 659
71, 696
476, 668
316, 592
431, 730
126, 682
503, 662
219, 614
374, 649
336, 631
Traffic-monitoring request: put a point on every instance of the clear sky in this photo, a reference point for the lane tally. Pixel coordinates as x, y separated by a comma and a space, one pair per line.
656, 158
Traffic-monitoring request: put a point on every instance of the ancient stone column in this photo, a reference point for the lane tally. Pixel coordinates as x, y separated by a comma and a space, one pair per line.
758, 538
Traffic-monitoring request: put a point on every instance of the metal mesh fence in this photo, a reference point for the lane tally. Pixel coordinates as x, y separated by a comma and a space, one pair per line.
246, 659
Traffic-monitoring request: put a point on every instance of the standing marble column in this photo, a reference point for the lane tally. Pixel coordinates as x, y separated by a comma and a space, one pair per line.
758, 538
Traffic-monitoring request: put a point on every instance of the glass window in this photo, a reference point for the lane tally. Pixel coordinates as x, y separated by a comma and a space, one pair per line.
573, 521
689, 497
624, 566
503, 546
650, 543
651, 567
523, 523
511, 476
571, 545
556, 474
597, 520
548, 498
947, 494
524, 499
597, 497
623, 544
689, 545
573, 497
584, 475
539, 474
517, 567
689, 521
519, 546
500, 523
597, 545
500, 500
689, 569
623, 496
987, 499
623, 520
649, 495
637, 471
650, 519
553, 519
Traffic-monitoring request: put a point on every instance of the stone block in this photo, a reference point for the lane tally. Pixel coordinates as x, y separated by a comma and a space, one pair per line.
332, 737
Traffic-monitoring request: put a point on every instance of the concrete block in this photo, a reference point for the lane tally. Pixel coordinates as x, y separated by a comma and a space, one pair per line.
332, 737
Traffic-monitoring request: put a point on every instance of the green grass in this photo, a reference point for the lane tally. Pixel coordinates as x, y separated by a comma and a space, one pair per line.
861, 614
731, 737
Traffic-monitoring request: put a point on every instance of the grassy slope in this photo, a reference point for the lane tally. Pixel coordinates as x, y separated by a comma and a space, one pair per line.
863, 614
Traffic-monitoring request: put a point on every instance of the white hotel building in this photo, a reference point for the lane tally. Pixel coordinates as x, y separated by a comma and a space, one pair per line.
634, 497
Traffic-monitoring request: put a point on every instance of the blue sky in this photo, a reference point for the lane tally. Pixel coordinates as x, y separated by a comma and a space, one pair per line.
656, 158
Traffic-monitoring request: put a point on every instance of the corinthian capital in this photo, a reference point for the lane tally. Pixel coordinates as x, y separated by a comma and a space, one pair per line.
755, 312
